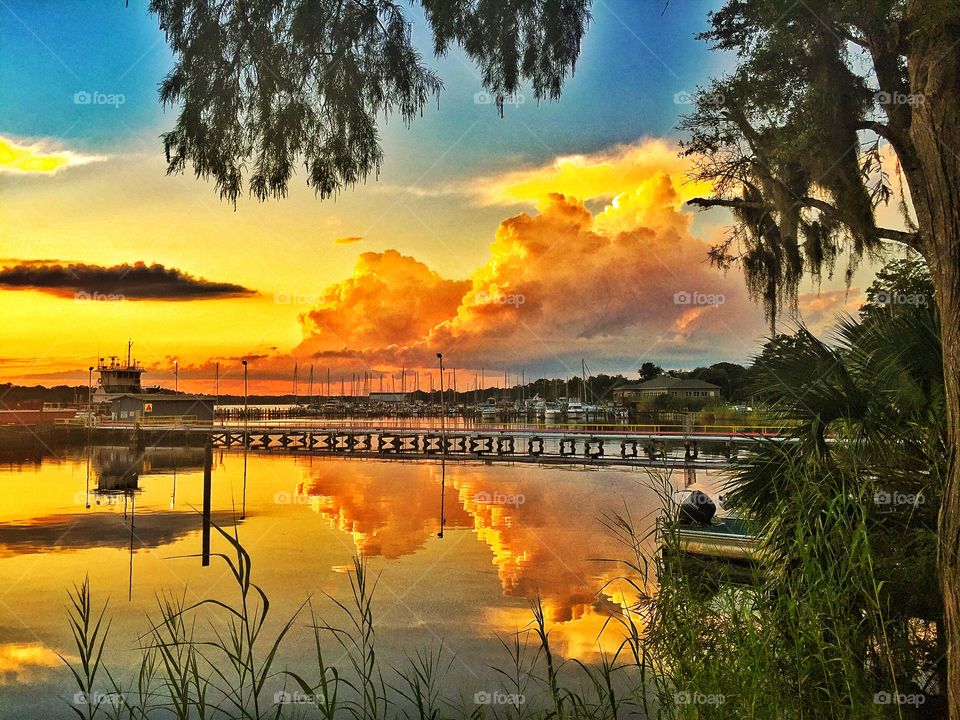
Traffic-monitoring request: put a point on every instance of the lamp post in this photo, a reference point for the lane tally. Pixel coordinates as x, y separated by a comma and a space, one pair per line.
176, 376
443, 449
244, 394
89, 391
442, 403
243, 504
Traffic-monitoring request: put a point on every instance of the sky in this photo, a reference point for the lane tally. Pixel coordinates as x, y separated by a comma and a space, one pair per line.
520, 244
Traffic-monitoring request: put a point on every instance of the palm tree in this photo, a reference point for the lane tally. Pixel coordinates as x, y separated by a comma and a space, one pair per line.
848, 504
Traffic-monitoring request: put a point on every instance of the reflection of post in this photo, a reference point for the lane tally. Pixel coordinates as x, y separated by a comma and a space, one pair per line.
243, 501
443, 493
86, 494
133, 507
207, 472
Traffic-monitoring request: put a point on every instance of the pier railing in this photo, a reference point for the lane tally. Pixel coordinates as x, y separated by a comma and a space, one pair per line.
772, 430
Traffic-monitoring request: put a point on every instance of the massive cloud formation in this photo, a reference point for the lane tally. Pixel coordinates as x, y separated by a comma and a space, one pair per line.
138, 281
628, 282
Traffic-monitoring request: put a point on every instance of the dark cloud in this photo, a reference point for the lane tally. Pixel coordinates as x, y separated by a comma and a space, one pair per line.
92, 529
138, 281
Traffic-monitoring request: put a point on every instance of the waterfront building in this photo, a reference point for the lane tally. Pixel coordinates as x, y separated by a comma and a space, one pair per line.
664, 385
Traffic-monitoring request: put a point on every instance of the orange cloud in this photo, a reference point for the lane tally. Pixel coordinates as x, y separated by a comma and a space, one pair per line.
349, 240
391, 299
822, 308
628, 281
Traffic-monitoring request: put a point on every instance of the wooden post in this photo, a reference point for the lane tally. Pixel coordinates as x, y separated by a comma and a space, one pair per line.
207, 487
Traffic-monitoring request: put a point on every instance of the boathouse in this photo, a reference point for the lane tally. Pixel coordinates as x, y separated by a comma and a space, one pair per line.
664, 385
388, 397
162, 408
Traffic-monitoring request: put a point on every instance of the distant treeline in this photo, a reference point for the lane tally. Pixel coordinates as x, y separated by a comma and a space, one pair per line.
13, 396
733, 380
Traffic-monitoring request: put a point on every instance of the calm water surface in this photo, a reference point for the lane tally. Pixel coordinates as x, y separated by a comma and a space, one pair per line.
511, 533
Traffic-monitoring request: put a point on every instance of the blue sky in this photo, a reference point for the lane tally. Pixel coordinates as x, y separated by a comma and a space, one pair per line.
635, 58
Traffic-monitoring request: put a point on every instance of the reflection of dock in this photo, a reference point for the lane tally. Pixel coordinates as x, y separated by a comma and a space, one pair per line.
118, 469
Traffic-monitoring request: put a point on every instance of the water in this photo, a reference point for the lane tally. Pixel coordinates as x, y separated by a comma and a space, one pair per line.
511, 533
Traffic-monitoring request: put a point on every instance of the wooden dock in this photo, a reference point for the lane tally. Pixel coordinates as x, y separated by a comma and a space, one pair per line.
601, 446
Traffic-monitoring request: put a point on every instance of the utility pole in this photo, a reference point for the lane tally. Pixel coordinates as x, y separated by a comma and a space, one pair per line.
443, 411
89, 394
443, 449
244, 402
296, 370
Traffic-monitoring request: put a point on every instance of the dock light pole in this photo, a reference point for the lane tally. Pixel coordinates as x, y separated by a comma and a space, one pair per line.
443, 449
244, 392
442, 403
176, 376
89, 391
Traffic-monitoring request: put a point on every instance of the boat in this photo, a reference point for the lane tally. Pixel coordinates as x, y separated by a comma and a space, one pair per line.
693, 529
535, 407
552, 412
489, 409
576, 410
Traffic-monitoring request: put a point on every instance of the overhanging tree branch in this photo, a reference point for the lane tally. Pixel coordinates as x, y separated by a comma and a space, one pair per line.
889, 234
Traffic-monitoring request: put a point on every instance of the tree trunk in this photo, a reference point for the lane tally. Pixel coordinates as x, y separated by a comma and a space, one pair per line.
934, 67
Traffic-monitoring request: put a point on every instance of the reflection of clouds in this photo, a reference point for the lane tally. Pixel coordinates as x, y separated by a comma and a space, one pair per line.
54, 533
19, 662
385, 514
577, 630
551, 544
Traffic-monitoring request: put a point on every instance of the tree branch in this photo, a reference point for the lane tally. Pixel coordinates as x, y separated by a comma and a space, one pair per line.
881, 129
898, 236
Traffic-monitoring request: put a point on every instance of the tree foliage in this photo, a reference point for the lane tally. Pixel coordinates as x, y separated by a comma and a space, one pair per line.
263, 87
794, 137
